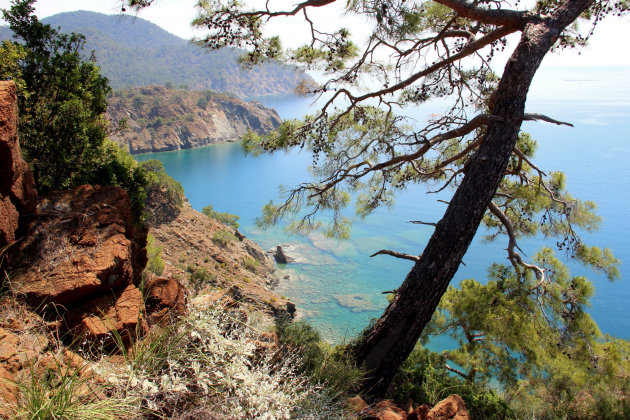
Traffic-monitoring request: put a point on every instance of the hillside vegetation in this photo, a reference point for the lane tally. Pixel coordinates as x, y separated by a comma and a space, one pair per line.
133, 52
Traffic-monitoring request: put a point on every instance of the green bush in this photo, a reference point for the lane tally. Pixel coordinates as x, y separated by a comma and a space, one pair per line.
117, 167
323, 364
225, 218
159, 179
223, 237
199, 277
155, 263
250, 264
424, 379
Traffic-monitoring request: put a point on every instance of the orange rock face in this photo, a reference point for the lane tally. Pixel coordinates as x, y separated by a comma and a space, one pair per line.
166, 301
450, 408
18, 196
121, 311
83, 254
79, 245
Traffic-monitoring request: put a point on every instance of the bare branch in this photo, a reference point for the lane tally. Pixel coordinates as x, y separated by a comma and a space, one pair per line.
419, 222
522, 156
459, 372
514, 256
396, 254
541, 117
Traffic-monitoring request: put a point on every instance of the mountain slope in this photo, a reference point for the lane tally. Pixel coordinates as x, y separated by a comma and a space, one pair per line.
133, 52
160, 119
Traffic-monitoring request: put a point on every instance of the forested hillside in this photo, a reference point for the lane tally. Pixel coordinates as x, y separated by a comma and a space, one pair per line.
133, 52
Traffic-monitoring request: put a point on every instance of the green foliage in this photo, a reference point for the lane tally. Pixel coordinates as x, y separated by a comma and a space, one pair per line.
251, 264
200, 277
223, 237
155, 263
536, 339
422, 378
160, 180
115, 166
11, 54
62, 129
56, 391
332, 367
225, 218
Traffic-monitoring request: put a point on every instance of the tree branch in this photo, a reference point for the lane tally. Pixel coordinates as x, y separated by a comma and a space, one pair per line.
541, 117
459, 372
396, 254
514, 256
488, 16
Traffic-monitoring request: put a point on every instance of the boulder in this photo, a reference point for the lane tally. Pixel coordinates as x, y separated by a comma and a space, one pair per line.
82, 243
450, 408
166, 301
279, 255
383, 410
18, 196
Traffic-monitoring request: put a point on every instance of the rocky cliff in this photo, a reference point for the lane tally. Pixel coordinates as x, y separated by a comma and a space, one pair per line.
18, 196
160, 119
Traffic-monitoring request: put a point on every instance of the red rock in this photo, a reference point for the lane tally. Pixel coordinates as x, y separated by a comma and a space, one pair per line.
18, 196
383, 410
80, 244
356, 404
166, 301
122, 312
450, 408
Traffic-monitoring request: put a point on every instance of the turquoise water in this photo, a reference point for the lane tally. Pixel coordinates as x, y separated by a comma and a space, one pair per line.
339, 288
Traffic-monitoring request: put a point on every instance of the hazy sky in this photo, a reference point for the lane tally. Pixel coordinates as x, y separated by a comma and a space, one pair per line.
175, 16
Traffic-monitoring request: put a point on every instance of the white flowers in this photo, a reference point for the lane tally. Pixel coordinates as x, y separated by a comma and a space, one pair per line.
211, 362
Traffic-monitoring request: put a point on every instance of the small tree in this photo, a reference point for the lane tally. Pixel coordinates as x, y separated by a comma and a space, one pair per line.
62, 104
225, 218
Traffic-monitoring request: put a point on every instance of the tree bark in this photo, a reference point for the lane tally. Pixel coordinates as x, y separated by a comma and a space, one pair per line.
393, 337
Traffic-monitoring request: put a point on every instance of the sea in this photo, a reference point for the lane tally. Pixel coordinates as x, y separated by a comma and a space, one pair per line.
338, 287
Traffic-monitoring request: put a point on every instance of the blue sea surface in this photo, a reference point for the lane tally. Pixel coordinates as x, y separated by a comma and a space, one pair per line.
339, 288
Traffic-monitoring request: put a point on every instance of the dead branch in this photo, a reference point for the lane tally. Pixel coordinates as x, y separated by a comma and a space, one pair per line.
541, 117
396, 254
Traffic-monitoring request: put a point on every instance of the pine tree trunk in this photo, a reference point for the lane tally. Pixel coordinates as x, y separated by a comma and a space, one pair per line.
395, 334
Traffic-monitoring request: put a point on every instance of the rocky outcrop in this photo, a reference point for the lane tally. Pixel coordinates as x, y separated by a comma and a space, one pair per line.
161, 119
450, 408
18, 196
166, 301
83, 254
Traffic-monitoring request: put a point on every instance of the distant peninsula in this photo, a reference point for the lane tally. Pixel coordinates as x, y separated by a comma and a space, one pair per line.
160, 119
133, 52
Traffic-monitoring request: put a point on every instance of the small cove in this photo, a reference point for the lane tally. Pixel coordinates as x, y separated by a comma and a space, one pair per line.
339, 289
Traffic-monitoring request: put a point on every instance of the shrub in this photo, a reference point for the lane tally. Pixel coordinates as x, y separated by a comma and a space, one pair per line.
201, 276
324, 365
208, 366
159, 179
225, 218
423, 378
250, 264
155, 263
223, 237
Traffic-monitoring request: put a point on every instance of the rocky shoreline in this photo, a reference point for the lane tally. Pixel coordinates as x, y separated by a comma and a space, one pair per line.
160, 119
